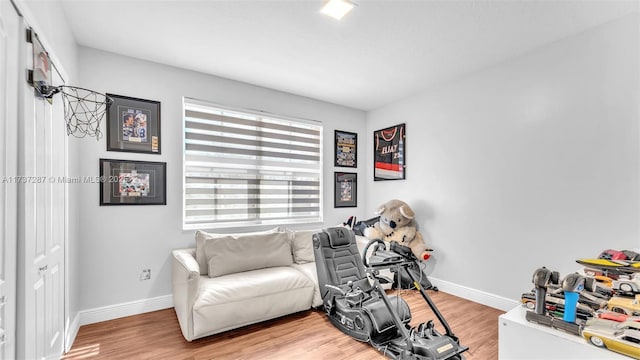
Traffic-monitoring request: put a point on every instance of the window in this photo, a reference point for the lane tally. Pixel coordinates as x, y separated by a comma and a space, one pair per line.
246, 168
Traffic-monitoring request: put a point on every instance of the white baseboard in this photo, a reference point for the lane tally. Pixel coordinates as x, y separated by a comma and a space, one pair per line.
125, 309
475, 295
163, 302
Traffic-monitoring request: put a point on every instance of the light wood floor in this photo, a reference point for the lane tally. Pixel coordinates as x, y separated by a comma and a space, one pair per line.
304, 335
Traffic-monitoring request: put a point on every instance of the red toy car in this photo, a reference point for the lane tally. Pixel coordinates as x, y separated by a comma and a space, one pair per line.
612, 255
615, 316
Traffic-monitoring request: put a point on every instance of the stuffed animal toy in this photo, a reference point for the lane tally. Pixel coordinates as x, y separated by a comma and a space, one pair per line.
396, 223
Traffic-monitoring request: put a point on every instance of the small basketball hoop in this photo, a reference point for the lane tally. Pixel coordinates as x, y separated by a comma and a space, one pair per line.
84, 109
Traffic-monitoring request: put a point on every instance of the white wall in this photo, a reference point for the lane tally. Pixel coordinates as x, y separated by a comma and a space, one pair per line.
119, 241
533, 162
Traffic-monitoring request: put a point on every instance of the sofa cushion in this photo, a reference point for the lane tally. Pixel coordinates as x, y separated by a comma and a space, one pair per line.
302, 245
202, 237
236, 253
234, 300
251, 284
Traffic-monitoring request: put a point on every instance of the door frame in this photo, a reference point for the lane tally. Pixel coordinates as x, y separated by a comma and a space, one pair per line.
9, 25
28, 20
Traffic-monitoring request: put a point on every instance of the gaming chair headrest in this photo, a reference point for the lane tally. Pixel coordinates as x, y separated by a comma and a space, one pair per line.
340, 237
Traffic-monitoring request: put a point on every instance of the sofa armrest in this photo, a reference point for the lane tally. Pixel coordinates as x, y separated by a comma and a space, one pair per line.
185, 283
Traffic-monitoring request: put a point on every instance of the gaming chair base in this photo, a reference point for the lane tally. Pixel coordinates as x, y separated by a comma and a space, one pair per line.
436, 348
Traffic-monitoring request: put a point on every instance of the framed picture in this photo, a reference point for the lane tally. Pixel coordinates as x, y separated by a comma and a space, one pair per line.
125, 182
133, 125
389, 153
40, 76
346, 146
346, 190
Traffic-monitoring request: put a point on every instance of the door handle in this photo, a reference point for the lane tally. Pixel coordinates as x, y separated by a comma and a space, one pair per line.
42, 269
3, 300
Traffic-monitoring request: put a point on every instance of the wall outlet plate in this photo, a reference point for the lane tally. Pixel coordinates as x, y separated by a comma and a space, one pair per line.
145, 274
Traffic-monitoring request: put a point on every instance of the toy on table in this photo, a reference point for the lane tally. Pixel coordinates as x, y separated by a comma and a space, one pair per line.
612, 263
628, 285
572, 284
622, 337
555, 306
611, 254
625, 305
612, 266
542, 278
615, 316
602, 305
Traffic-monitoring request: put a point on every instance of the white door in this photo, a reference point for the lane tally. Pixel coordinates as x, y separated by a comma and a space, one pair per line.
42, 200
9, 27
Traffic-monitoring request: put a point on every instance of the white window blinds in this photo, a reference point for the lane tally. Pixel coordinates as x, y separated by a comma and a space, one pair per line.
243, 168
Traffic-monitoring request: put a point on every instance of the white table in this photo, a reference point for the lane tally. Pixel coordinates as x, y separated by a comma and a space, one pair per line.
520, 339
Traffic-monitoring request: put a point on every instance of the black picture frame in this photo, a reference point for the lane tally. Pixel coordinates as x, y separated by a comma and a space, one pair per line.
133, 125
128, 182
389, 153
346, 149
345, 192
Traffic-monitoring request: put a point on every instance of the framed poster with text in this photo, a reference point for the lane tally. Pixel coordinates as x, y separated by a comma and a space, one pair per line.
389, 153
346, 145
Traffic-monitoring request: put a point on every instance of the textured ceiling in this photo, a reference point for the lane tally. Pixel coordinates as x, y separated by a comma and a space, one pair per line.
381, 52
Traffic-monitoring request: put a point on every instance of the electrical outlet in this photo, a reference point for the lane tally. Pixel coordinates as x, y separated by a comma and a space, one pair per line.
145, 274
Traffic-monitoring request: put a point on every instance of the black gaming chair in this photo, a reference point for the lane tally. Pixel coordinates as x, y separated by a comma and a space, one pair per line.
352, 304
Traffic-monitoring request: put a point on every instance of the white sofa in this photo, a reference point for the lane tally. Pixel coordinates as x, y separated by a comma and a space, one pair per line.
232, 280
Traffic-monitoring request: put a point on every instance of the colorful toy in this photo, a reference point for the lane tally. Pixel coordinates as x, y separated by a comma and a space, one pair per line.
621, 337
554, 306
602, 304
625, 305
610, 254
627, 284
396, 223
599, 272
603, 280
615, 316
572, 284
542, 278
617, 267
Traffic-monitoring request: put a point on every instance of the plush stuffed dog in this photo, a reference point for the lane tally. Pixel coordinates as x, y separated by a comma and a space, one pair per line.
396, 223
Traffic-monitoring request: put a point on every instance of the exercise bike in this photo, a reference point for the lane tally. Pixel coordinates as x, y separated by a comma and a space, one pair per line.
356, 303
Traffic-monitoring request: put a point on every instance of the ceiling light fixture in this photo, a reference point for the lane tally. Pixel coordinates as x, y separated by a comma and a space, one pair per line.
337, 8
